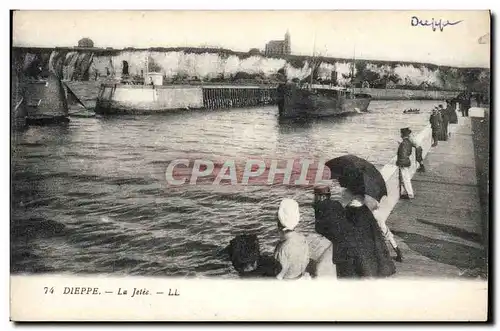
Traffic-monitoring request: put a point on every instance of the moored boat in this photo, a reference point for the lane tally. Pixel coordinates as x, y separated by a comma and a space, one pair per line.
18, 113
76, 106
147, 99
43, 101
38, 95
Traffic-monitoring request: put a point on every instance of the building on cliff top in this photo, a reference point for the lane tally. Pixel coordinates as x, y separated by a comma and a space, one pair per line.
279, 47
254, 51
85, 43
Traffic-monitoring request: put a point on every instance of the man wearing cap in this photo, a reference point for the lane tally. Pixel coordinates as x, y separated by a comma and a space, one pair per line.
403, 161
292, 252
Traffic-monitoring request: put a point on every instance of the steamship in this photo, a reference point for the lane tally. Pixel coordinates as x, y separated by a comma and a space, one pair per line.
299, 101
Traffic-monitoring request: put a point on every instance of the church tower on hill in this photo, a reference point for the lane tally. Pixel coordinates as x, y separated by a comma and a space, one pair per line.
279, 47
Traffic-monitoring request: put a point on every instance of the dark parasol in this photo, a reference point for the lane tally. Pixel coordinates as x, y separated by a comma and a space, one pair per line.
358, 175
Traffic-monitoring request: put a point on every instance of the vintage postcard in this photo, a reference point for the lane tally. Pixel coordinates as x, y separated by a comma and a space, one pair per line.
250, 165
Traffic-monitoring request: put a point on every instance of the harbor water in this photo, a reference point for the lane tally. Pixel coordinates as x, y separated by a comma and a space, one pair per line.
91, 197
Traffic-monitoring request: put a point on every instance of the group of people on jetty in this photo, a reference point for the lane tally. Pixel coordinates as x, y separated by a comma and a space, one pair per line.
358, 243
358, 238
440, 119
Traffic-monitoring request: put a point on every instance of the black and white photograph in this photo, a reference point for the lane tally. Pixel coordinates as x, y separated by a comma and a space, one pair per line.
288, 148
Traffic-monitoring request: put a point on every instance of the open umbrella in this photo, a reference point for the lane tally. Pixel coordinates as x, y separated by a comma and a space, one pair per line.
358, 175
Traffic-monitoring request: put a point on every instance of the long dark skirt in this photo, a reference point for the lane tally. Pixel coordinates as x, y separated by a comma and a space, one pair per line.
442, 133
349, 269
453, 116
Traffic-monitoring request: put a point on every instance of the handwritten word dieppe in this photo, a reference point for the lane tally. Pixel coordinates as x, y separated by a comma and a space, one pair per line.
434, 24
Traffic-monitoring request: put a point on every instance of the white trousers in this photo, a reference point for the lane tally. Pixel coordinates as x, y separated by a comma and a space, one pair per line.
373, 205
388, 236
406, 179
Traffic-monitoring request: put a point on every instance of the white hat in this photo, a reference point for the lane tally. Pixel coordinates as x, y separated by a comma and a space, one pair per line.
288, 214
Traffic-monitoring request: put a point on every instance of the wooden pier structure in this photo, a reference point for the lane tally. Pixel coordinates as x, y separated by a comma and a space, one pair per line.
237, 96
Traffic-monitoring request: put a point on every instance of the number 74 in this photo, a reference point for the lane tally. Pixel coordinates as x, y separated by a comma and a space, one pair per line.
47, 290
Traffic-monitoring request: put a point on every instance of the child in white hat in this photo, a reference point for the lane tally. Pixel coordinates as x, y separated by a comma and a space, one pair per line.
292, 252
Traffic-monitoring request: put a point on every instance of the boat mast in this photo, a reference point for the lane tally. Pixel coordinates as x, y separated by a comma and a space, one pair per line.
352, 71
313, 60
147, 67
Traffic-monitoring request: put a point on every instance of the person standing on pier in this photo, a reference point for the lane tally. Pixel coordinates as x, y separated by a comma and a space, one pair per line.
443, 133
451, 107
359, 248
292, 252
331, 223
436, 123
404, 163
465, 102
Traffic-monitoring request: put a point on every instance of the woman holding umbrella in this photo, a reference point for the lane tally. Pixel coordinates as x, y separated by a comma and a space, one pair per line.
360, 249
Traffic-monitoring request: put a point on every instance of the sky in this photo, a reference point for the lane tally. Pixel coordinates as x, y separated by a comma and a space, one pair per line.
376, 35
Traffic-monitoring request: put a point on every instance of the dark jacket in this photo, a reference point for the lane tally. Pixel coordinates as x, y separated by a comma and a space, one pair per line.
443, 130
435, 121
445, 116
244, 251
355, 235
452, 115
331, 223
404, 152
373, 259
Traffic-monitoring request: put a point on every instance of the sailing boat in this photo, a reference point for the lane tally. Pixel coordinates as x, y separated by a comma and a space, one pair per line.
40, 100
315, 100
76, 107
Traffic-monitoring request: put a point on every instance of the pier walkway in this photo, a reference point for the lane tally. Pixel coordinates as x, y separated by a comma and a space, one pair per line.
439, 232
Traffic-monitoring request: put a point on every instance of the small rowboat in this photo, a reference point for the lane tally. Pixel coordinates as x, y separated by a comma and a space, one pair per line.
411, 111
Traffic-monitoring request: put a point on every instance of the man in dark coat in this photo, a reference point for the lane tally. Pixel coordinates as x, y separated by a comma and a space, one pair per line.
451, 106
436, 123
443, 132
465, 103
330, 222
